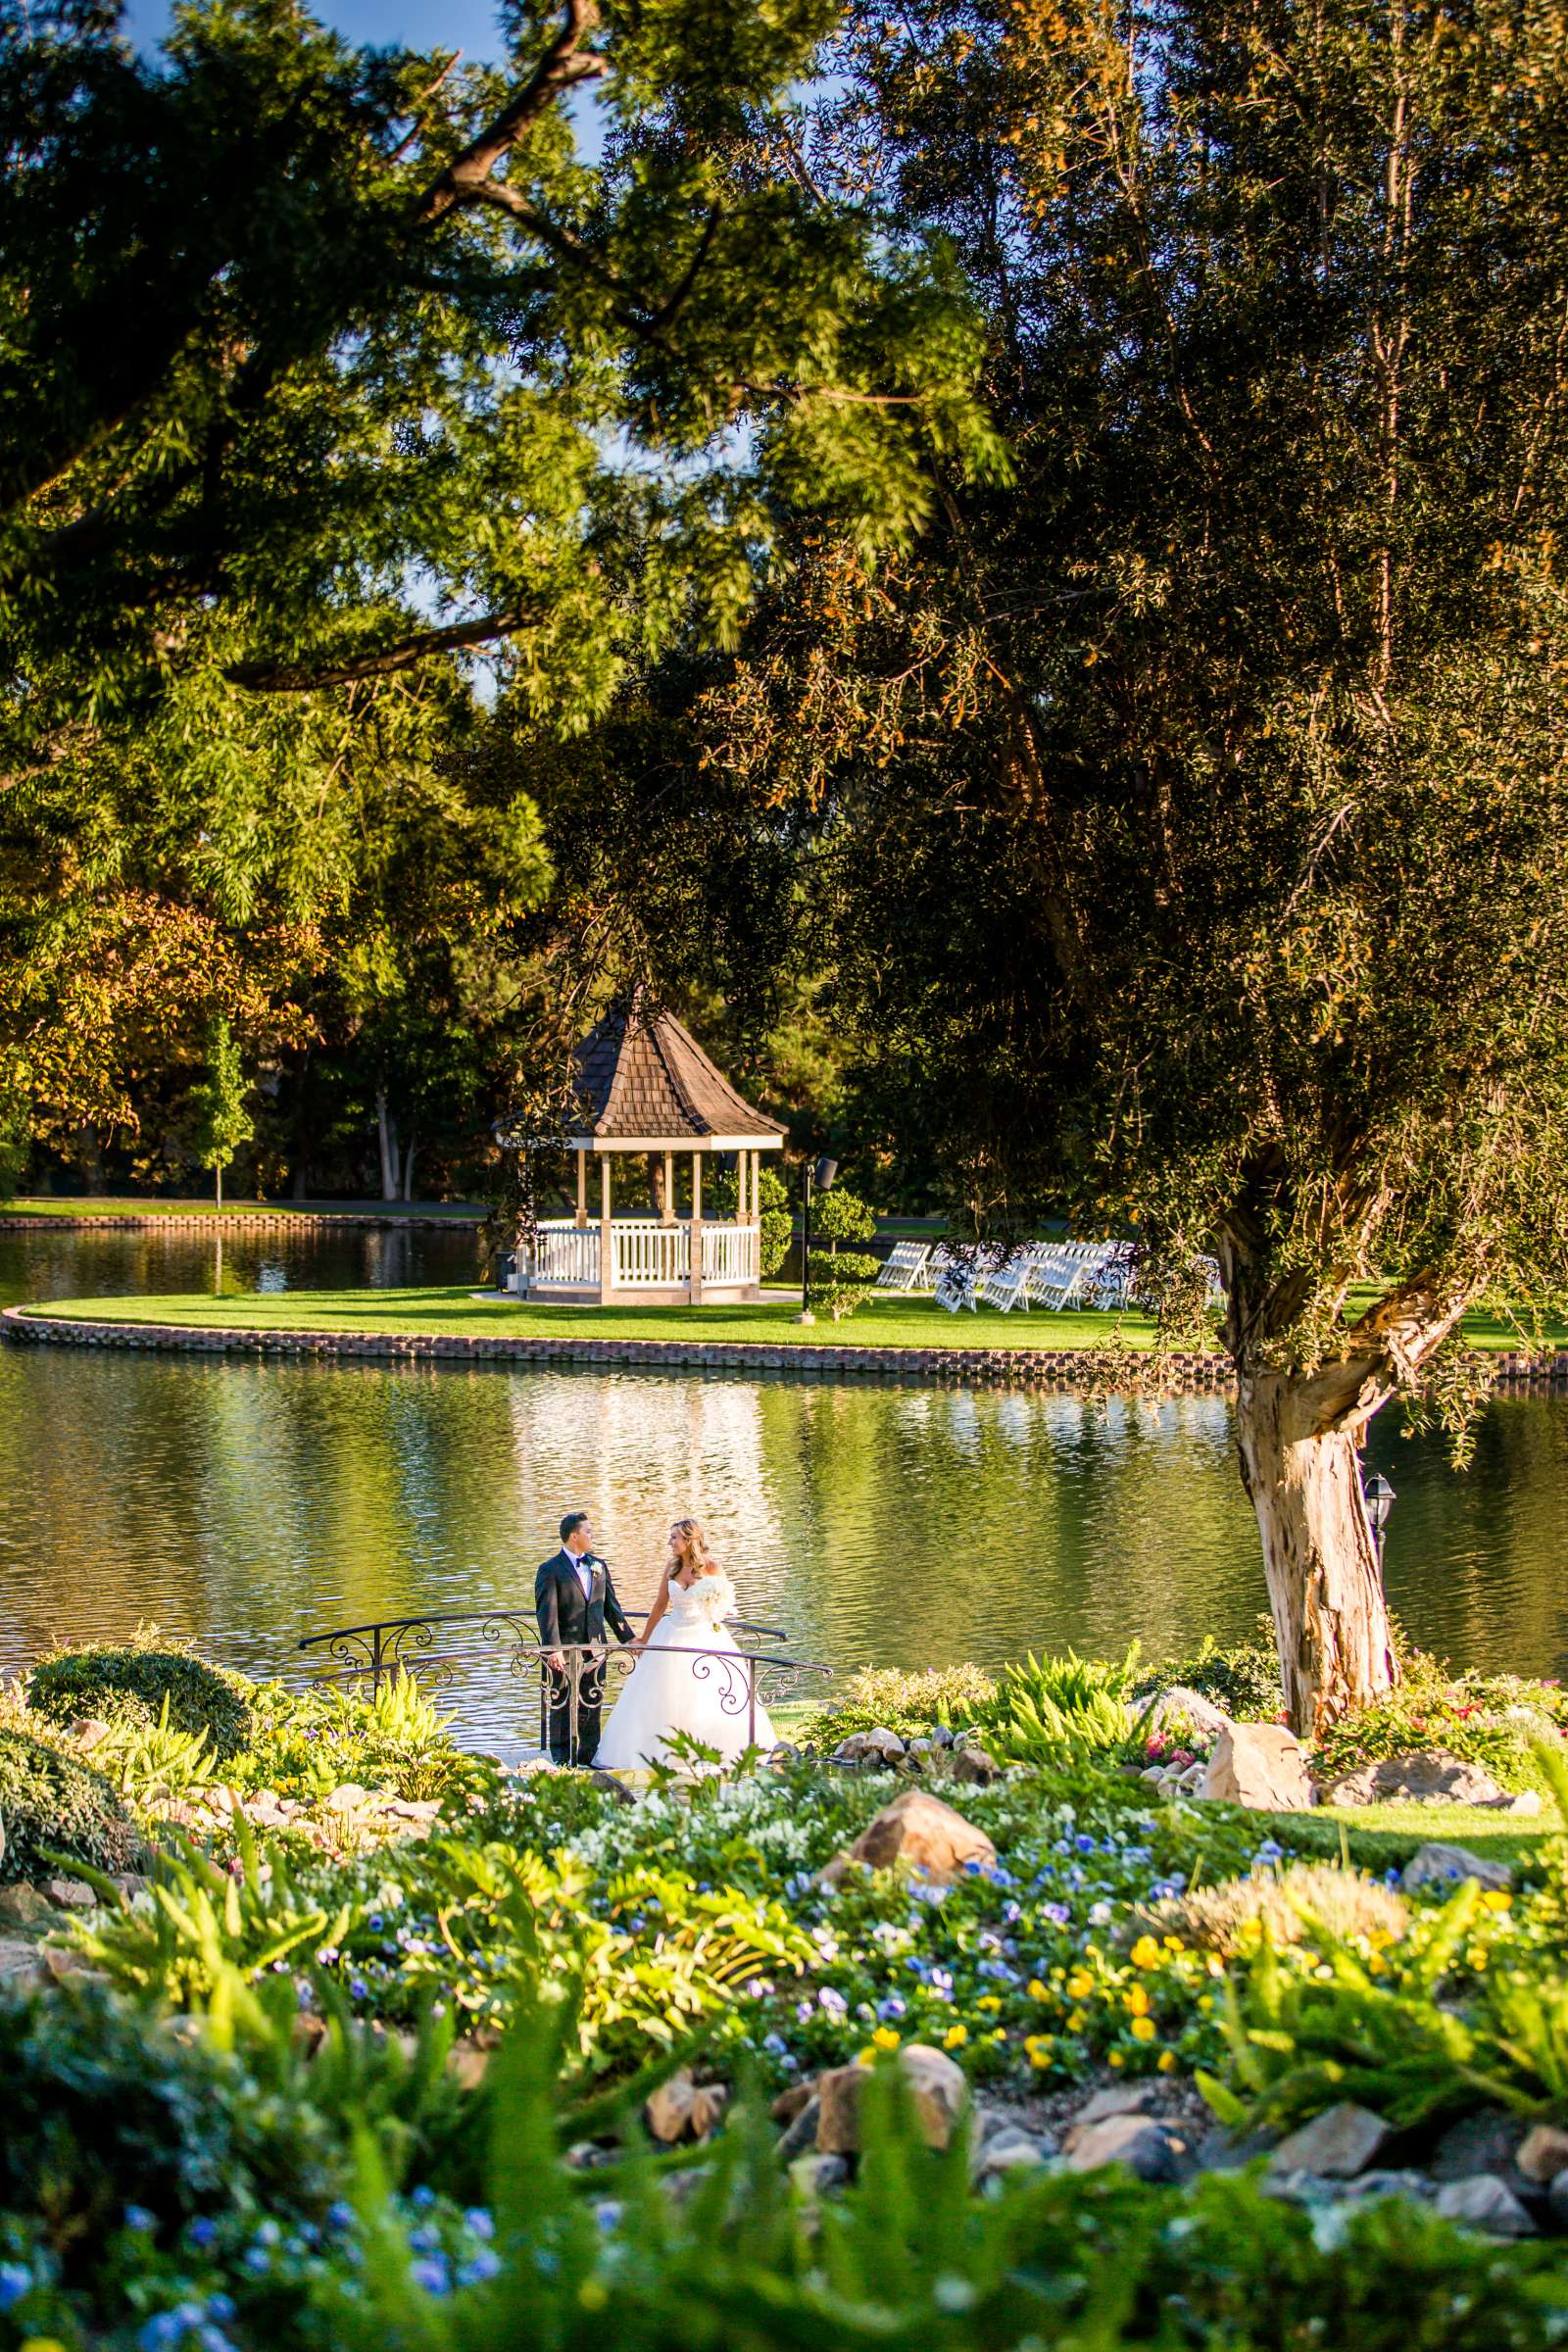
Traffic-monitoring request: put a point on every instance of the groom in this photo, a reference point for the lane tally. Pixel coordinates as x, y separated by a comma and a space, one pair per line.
574, 1597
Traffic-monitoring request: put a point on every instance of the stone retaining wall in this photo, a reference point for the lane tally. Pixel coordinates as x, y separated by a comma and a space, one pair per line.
963, 1368
237, 1220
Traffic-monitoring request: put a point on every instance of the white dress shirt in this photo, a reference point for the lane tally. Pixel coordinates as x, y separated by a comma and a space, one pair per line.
585, 1575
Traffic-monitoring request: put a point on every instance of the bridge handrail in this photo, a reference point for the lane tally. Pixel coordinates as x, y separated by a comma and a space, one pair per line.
498, 1615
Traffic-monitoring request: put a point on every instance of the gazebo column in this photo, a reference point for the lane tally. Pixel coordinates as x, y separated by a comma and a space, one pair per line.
582, 1187
669, 1188
607, 1239
755, 1158
695, 1287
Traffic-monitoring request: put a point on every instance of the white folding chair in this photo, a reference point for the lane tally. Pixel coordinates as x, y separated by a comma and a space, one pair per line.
1054, 1275
1007, 1286
904, 1267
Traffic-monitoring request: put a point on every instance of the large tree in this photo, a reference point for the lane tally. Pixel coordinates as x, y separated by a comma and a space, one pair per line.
1202, 806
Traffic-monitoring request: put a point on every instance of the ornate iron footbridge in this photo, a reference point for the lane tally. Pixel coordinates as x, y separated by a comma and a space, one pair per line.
434, 1649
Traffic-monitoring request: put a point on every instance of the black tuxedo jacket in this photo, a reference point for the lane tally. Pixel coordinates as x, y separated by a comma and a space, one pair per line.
564, 1615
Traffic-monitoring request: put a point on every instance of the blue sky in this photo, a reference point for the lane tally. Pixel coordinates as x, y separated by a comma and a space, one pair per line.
466, 25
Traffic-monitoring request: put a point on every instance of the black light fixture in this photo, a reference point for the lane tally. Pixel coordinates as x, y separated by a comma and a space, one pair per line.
1378, 1497
819, 1179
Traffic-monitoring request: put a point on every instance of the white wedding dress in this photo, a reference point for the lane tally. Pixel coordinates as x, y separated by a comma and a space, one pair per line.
672, 1689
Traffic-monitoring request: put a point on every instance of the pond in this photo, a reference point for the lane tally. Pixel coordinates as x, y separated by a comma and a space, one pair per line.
245, 1504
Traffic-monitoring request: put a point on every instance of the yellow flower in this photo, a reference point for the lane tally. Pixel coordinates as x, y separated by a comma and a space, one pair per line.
1143, 2029
1477, 1956
1136, 2000
885, 2039
1144, 1953
1497, 1898
1114, 2058
1215, 1965
1205, 2002
1376, 1965
1076, 2021
1380, 1940
988, 2000
1174, 1943
954, 2037
1167, 2062
1038, 1991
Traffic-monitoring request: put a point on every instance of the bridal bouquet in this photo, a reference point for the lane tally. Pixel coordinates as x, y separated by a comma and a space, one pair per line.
714, 1598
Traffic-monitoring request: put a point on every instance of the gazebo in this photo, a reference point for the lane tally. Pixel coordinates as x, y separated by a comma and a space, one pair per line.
647, 1092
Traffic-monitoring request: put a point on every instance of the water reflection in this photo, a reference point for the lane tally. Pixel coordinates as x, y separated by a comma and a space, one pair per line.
245, 1504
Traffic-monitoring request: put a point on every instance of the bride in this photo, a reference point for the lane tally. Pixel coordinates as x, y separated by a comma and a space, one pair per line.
669, 1689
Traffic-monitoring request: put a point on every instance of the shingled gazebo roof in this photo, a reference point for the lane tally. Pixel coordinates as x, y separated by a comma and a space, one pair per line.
642, 1078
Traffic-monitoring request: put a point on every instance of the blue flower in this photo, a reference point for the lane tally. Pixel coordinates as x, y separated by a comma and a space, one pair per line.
833, 2001
137, 2217
220, 2308
340, 2215
421, 2199
480, 2222
268, 2232
891, 2006
1269, 1851
432, 2274
607, 2214
160, 2332
357, 1988
375, 1923
213, 2340
202, 2231
774, 2044
256, 2260
15, 2281
479, 2267
1058, 1913
1084, 1843
425, 2241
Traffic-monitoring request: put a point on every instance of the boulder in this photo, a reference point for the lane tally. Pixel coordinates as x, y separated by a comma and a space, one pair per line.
801, 2132
937, 2092
1179, 1704
1150, 2145
1484, 2202
1484, 2141
1117, 2098
681, 2109
88, 1729
24, 1906
884, 1744
814, 2176
1261, 1765
1426, 1777
916, 1831
346, 1798
18, 1959
1336, 2145
1557, 2202
786, 2106
974, 1766
1005, 2152
70, 1895
1542, 2153
1432, 1864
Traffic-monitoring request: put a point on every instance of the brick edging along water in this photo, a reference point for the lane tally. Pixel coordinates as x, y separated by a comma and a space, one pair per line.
965, 1367
236, 1220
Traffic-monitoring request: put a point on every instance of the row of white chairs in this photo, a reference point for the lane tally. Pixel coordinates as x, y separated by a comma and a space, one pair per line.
1056, 1275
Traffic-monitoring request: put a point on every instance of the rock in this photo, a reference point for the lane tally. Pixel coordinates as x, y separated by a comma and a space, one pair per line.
1117, 2098
852, 1750
1259, 1764
587, 2156
786, 2106
1191, 1778
1486, 2142
974, 1766
1557, 2202
918, 1831
24, 1906
1152, 2146
942, 1736
347, 1797
1222, 2152
1431, 1864
1178, 1704
923, 1750
608, 1785
1542, 2153
88, 1729
1386, 2184
782, 1753
18, 1959
130, 1883
815, 2174
681, 2109
1005, 2152
467, 2063
938, 2097
884, 1744
70, 1895
1426, 1777
1154, 1775
802, 2129
1484, 2202
1338, 2144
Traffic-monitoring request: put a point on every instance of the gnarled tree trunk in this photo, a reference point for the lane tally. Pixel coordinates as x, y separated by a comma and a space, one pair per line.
1325, 1582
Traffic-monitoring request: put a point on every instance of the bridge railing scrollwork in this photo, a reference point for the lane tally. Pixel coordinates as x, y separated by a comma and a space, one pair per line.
741, 1681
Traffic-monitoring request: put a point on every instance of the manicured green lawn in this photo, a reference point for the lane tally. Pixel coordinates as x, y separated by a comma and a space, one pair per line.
92, 1204
1382, 1835
436, 1311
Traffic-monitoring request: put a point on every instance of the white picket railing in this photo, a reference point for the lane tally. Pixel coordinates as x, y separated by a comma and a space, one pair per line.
647, 1256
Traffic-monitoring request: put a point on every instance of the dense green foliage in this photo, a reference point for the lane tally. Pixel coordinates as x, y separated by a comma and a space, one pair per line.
136, 1682
52, 1804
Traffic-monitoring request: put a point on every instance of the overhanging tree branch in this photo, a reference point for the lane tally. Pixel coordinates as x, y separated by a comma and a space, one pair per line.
563, 65
304, 677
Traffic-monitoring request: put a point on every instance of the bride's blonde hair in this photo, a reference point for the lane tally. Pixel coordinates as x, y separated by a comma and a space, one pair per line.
690, 1546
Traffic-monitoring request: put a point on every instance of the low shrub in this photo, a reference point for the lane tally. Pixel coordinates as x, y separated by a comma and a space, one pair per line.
135, 1682
909, 1703
1046, 1710
49, 1802
303, 1744
1243, 1680
1299, 1899
1492, 1720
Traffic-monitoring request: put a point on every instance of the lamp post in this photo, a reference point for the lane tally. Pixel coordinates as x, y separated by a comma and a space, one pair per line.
818, 1179
1378, 1497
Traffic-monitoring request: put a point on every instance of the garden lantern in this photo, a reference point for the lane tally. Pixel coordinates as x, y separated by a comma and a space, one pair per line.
1378, 1497
819, 1179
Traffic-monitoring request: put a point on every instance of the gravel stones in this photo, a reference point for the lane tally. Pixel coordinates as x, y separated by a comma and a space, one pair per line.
681, 2109
1484, 2202
1153, 2148
937, 2090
